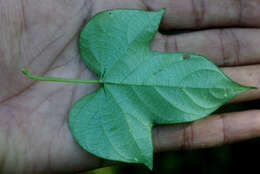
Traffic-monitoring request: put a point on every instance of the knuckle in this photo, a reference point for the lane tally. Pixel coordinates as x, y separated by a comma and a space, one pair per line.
223, 129
188, 137
230, 47
198, 10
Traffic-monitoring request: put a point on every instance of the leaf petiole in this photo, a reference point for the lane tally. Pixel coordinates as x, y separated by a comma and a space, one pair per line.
55, 79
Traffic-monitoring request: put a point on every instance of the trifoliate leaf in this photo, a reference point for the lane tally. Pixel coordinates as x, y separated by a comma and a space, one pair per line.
140, 87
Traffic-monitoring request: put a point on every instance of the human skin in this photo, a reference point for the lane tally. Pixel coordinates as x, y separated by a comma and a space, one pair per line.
42, 36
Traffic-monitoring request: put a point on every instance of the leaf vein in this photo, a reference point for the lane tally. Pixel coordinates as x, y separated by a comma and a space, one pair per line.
129, 128
173, 105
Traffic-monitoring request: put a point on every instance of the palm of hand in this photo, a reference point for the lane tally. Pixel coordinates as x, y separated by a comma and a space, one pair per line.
33, 116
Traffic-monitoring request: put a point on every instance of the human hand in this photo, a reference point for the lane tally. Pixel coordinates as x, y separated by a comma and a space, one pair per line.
42, 35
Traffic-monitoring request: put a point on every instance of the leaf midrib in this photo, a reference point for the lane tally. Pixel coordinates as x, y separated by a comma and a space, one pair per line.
164, 86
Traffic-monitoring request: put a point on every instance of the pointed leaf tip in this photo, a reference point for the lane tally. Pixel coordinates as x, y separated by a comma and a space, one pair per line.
149, 164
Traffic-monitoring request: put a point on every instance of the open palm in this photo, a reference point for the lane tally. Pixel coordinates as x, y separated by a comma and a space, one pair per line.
42, 36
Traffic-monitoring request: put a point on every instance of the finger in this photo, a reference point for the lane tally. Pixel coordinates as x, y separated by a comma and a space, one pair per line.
225, 47
98, 6
245, 75
208, 132
207, 13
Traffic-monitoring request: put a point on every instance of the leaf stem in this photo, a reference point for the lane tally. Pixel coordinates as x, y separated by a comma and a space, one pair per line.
55, 79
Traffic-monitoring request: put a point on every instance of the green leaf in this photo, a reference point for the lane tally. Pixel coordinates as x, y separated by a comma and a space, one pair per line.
140, 87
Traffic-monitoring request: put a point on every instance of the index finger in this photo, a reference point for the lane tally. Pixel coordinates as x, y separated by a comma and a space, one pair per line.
184, 14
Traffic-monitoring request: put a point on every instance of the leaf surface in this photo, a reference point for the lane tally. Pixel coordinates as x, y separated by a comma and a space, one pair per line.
140, 87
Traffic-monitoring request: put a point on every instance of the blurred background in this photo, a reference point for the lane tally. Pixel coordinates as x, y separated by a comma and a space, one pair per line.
242, 157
